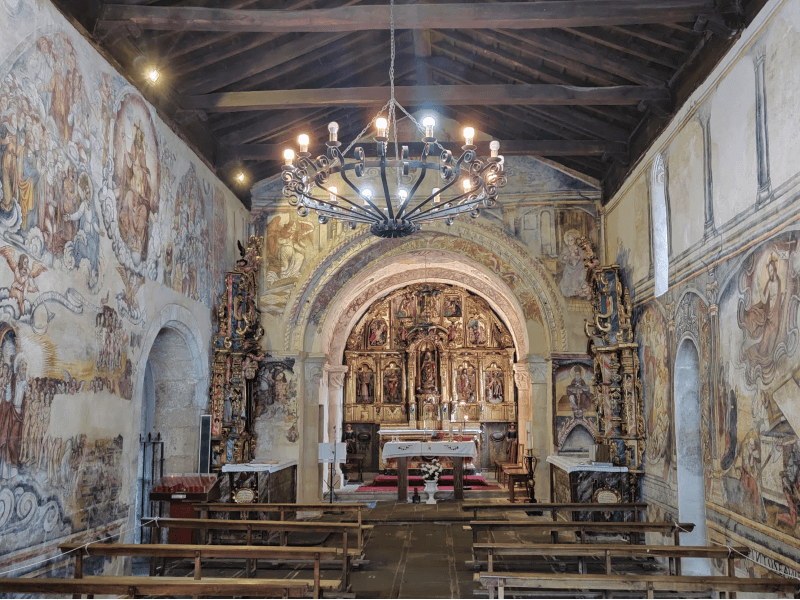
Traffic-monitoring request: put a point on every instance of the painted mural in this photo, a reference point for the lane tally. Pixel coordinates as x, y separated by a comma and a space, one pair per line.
276, 418
755, 469
654, 358
288, 242
97, 197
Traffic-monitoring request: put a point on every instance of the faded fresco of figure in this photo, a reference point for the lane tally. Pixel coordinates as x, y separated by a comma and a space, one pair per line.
136, 199
286, 247
573, 277
762, 320
579, 393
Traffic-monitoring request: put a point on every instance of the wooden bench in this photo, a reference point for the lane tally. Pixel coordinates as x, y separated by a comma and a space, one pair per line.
181, 587
609, 551
206, 508
497, 582
637, 508
633, 529
200, 552
205, 525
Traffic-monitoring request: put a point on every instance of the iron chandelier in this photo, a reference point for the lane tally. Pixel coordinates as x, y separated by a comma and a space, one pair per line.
467, 182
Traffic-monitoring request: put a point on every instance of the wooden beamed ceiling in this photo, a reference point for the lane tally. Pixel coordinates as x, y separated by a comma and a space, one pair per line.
585, 83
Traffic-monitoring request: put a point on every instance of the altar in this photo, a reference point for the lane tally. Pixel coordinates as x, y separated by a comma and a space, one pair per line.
579, 479
456, 451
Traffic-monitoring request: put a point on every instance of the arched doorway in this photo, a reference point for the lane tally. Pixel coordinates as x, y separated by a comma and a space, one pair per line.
691, 485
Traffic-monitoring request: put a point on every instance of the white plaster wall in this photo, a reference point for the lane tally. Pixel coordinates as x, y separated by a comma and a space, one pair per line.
686, 187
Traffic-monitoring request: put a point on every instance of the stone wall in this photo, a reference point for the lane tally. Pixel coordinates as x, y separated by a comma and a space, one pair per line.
731, 181
114, 238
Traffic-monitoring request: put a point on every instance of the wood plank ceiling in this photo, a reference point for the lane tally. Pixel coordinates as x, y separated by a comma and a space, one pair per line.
585, 83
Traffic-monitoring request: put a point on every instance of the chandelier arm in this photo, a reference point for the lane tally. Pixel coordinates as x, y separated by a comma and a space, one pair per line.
367, 213
418, 207
387, 195
443, 213
457, 205
423, 171
378, 214
337, 212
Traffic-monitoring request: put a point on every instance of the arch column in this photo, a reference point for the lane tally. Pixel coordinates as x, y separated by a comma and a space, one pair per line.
333, 415
530, 377
312, 388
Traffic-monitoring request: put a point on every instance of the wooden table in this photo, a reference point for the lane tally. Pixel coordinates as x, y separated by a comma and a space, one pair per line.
513, 478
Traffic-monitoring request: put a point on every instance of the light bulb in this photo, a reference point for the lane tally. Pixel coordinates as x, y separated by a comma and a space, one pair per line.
494, 146
469, 135
333, 128
332, 191
436, 196
367, 193
403, 194
466, 184
240, 177
302, 141
153, 75
429, 123
288, 156
382, 125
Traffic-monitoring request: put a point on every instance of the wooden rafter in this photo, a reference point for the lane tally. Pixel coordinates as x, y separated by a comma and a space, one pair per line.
509, 15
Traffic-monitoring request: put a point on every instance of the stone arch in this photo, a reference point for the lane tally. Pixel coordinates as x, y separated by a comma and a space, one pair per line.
171, 342
487, 247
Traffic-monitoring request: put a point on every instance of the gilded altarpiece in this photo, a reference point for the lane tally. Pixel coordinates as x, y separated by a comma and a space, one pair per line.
617, 387
428, 357
237, 360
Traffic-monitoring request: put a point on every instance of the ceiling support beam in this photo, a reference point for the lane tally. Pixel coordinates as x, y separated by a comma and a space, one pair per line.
508, 15
507, 148
452, 95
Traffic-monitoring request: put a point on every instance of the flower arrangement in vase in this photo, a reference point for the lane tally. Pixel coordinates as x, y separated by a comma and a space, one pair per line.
431, 471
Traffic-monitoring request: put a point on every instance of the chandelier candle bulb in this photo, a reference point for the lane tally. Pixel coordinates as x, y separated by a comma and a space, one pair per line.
494, 146
367, 193
382, 126
436, 196
288, 156
302, 141
333, 130
469, 136
332, 191
429, 123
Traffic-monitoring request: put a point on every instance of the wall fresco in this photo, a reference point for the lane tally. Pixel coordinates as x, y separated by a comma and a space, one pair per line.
97, 198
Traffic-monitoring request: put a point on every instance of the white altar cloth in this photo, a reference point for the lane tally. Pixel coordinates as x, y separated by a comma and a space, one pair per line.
570, 464
397, 449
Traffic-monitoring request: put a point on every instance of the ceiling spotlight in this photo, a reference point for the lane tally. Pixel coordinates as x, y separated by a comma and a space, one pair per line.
153, 75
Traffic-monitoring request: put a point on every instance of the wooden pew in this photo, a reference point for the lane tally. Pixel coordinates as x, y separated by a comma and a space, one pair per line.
205, 525
638, 508
200, 552
582, 527
609, 551
181, 587
206, 508
649, 584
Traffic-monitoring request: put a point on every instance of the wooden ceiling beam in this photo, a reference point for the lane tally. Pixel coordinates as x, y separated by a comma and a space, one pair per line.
507, 148
508, 15
652, 36
608, 39
256, 61
454, 95
599, 58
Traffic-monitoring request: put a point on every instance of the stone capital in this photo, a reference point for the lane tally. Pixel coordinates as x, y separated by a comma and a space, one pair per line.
335, 376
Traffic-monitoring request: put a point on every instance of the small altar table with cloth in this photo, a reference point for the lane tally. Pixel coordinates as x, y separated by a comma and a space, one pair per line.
454, 450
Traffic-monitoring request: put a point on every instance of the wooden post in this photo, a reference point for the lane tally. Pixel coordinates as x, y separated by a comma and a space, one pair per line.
677, 538
458, 477
490, 586
316, 575
344, 561
731, 566
650, 593
402, 478
360, 533
490, 552
248, 562
608, 562
78, 568
197, 564
501, 589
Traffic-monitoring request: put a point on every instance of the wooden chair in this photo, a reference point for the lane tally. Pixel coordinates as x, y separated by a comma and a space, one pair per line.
516, 467
500, 464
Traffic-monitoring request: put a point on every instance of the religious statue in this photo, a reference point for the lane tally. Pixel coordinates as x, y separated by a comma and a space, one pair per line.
366, 387
476, 331
512, 442
378, 331
349, 438
427, 372
391, 386
465, 384
494, 386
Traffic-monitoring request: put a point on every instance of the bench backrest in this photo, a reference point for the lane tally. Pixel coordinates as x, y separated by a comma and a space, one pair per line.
202, 550
244, 525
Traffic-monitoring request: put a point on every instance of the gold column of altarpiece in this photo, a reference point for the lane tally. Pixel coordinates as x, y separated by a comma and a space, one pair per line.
618, 389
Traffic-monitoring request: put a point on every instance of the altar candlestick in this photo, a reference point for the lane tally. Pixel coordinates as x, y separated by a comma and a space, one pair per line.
530, 447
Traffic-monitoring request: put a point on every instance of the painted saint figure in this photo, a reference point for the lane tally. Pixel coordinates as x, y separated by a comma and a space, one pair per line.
579, 393
136, 201
465, 384
494, 386
476, 332
391, 386
24, 275
573, 277
377, 332
762, 320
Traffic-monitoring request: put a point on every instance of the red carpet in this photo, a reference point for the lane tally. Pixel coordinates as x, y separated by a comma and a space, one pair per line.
388, 483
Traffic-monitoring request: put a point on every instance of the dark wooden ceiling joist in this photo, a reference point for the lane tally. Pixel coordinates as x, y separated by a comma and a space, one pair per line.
509, 15
453, 95
606, 38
